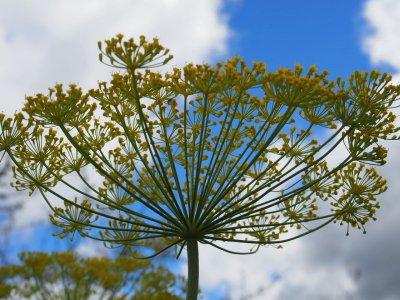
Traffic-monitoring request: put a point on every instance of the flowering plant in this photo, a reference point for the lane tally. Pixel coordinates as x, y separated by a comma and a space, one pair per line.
202, 154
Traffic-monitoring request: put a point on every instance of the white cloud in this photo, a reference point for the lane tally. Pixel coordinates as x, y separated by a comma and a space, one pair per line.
56, 41
382, 35
91, 248
33, 211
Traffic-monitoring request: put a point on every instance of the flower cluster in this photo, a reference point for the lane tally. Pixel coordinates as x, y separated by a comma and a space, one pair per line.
226, 153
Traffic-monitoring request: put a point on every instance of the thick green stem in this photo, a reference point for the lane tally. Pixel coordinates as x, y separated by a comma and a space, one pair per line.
193, 269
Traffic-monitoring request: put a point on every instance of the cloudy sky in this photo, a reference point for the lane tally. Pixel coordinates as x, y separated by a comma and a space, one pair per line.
48, 41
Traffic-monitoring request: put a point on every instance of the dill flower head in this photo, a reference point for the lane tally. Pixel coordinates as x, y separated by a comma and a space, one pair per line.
227, 153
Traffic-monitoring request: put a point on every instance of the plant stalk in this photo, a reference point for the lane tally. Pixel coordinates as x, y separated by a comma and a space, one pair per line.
193, 269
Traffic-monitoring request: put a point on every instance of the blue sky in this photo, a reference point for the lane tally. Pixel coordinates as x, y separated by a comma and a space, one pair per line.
56, 42
282, 33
